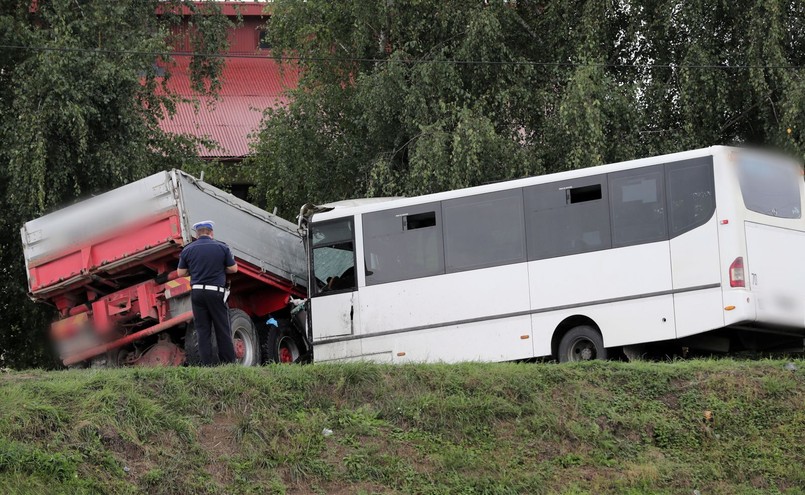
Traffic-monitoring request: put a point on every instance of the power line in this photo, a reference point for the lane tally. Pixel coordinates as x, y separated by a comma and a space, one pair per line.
288, 58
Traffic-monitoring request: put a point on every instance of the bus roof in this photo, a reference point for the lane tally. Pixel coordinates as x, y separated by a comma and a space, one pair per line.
358, 206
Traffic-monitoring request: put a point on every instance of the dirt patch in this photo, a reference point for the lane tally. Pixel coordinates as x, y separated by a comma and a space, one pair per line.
132, 456
127, 449
678, 387
618, 430
671, 400
218, 439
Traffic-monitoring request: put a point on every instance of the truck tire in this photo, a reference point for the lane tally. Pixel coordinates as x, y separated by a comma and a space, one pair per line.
244, 336
192, 356
582, 343
242, 329
282, 344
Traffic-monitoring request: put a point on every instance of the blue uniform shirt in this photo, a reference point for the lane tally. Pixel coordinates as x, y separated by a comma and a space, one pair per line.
206, 259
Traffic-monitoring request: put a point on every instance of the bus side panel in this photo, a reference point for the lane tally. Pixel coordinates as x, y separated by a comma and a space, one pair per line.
490, 340
695, 263
632, 321
698, 312
633, 282
460, 301
349, 350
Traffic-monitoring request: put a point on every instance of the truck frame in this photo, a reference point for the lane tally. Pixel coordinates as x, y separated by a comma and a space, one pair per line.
108, 265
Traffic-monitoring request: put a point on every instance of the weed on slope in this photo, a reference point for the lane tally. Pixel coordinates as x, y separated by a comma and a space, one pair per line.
713, 426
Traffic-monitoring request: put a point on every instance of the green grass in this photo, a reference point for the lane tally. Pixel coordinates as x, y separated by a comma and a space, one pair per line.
471, 428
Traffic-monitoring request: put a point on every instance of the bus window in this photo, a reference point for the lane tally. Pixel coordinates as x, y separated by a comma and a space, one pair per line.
691, 194
770, 186
568, 217
403, 243
484, 230
637, 202
333, 256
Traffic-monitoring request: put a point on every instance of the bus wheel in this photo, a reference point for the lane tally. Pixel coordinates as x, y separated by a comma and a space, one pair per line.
282, 345
244, 337
582, 343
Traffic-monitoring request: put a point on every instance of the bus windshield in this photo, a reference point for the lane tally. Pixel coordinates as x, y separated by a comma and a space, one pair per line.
770, 186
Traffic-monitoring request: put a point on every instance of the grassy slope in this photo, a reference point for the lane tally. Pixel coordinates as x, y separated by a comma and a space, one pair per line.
471, 428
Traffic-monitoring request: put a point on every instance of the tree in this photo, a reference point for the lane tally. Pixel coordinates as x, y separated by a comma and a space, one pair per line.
411, 96
81, 97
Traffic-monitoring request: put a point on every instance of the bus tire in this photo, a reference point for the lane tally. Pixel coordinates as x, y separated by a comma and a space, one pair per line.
582, 343
282, 344
244, 335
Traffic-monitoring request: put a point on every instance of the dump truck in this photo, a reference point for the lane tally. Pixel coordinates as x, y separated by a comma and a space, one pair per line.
108, 266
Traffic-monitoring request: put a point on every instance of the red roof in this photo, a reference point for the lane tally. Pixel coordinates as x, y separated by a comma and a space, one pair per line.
248, 86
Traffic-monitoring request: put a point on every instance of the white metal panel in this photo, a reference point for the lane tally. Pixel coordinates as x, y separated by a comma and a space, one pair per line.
730, 213
600, 275
698, 312
339, 351
622, 323
334, 315
610, 275
443, 299
775, 273
379, 358
489, 340
744, 304
694, 257
695, 263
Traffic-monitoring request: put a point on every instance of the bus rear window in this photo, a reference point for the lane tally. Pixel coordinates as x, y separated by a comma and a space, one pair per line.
770, 186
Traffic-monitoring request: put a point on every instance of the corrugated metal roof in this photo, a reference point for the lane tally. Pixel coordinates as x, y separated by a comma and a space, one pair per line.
248, 86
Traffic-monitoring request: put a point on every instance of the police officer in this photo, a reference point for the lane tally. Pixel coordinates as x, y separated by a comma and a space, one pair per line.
208, 262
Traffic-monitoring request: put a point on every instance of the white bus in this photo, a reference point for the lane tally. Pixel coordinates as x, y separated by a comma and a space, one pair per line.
702, 249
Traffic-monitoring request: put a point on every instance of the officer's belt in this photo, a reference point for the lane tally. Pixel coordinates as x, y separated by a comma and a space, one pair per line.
208, 287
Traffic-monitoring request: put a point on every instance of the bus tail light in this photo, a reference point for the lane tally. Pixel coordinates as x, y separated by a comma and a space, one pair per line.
737, 273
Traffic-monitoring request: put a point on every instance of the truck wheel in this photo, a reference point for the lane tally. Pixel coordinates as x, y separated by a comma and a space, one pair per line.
582, 343
192, 355
116, 358
282, 345
244, 336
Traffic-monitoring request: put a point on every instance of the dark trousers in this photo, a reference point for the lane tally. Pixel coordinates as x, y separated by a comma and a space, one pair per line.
210, 311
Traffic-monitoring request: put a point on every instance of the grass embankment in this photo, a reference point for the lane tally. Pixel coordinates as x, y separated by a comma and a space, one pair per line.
472, 428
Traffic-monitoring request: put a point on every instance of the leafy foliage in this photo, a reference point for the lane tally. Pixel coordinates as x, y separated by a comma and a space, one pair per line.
79, 115
411, 97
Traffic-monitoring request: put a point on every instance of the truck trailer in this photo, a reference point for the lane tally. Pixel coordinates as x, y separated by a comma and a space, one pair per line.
108, 265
